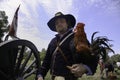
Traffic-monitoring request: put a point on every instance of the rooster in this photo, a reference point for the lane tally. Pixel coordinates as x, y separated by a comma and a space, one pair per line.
99, 46
80, 40
82, 47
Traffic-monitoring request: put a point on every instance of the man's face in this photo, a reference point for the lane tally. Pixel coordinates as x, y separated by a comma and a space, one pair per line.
61, 25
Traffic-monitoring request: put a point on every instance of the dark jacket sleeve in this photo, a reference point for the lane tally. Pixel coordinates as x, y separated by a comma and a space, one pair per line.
46, 62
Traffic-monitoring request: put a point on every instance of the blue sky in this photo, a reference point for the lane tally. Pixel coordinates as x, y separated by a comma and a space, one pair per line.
98, 15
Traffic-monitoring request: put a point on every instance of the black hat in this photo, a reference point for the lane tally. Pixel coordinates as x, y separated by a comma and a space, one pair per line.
69, 18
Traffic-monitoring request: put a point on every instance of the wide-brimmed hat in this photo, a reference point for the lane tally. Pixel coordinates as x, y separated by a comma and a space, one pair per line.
69, 18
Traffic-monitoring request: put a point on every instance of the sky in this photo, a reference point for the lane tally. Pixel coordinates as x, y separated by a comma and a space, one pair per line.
98, 15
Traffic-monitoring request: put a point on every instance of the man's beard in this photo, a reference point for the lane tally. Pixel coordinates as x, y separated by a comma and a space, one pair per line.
61, 30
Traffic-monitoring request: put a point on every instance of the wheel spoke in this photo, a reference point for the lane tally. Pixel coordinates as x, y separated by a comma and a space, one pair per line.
28, 67
20, 58
27, 75
25, 62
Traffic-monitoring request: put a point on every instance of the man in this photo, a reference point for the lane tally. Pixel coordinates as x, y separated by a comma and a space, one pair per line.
109, 67
61, 52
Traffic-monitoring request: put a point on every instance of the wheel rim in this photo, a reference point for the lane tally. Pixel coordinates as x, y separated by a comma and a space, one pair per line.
23, 66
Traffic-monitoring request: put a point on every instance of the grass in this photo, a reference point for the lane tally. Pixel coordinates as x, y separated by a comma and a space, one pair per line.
96, 76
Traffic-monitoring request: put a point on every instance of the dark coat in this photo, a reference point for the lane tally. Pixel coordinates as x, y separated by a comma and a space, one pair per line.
57, 64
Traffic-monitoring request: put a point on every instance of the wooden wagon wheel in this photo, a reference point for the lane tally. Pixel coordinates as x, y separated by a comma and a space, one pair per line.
19, 59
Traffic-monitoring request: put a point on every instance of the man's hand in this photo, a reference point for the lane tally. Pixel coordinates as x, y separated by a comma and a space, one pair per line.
59, 78
40, 78
77, 69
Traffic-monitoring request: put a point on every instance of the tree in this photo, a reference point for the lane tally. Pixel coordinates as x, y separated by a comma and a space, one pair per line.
3, 24
42, 54
115, 58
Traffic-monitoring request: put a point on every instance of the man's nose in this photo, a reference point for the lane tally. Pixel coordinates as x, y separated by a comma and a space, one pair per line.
59, 24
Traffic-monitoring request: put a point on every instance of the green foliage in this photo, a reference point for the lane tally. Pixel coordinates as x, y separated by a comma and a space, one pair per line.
115, 58
42, 54
3, 24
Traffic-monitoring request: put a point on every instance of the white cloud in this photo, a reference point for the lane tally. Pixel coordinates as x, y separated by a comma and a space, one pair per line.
109, 6
32, 34
29, 22
51, 7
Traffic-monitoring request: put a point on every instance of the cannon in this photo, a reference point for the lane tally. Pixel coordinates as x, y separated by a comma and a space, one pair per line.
19, 59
